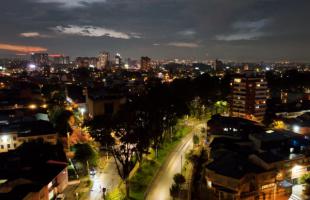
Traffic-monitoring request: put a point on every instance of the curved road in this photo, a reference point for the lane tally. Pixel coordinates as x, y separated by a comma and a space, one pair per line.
159, 188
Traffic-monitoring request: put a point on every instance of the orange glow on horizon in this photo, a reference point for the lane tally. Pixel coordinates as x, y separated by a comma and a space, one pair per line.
21, 48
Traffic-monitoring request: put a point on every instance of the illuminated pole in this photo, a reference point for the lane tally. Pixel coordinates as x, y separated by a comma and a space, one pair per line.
181, 164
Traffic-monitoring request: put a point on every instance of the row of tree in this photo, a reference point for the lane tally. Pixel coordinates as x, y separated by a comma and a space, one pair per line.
146, 122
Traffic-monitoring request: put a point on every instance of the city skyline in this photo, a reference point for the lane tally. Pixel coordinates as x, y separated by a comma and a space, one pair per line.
267, 30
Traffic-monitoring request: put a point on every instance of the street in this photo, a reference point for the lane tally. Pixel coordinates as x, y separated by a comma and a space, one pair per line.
160, 188
107, 178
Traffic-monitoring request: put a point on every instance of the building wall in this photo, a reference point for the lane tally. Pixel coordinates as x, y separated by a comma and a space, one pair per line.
145, 63
11, 141
248, 97
265, 184
51, 190
99, 107
8, 142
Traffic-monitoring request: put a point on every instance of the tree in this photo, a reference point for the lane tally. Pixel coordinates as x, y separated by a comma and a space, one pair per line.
175, 189
60, 118
86, 154
124, 155
195, 139
179, 179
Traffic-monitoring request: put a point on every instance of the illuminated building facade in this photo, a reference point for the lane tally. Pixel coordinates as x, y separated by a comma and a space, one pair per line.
249, 93
103, 60
118, 60
145, 63
39, 59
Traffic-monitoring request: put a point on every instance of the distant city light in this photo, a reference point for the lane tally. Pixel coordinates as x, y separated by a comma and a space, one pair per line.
32, 106
296, 128
82, 110
32, 66
69, 100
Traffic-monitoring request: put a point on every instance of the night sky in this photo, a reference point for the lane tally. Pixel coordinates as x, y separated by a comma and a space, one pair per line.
247, 30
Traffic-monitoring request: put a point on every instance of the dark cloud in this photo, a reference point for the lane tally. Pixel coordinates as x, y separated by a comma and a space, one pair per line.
228, 29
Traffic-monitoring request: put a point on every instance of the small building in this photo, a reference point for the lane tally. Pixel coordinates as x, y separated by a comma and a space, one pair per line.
251, 163
42, 182
104, 102
13, 135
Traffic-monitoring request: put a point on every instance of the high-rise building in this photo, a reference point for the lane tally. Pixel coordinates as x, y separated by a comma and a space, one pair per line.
118, 60
86, 61
39, 59
103, 60
59, 59
249, 93
145, 63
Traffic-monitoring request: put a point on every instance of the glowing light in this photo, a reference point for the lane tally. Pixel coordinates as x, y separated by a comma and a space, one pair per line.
69, 100
298, 171
4, 138
32, 66
32, 106
82, 110
237, 80
296, 128
44, 106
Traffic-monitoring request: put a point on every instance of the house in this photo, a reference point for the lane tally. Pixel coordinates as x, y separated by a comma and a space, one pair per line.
104, 102
251, 164
41, 182
13, 135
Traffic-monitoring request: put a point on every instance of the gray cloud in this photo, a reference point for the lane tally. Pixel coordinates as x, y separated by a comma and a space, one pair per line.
184, 44
94, 31
71, 3
246, 30
226, 29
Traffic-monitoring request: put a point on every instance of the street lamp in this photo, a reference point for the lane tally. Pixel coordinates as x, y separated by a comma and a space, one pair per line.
296, 128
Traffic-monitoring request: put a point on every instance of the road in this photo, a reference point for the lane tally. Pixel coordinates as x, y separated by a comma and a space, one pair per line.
106, 178
159, 189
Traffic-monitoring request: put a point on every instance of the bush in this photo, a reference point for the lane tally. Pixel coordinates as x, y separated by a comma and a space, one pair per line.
174, 190
305, 179
179, 179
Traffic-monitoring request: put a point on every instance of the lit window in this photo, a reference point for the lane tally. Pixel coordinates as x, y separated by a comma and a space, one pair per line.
258, 85
237, 80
